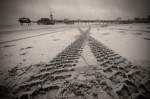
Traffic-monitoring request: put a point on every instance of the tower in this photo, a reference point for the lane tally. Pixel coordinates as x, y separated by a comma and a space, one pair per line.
51, 17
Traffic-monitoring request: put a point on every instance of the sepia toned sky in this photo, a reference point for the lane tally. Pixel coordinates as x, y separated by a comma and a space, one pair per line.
72, 9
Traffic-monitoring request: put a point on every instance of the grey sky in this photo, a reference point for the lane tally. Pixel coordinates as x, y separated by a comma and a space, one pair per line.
73, 9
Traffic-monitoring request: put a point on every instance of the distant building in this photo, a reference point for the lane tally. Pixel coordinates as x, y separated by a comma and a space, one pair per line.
142, 20
46, 21
68, 21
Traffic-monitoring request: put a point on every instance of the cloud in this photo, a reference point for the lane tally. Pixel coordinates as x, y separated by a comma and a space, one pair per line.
86, 9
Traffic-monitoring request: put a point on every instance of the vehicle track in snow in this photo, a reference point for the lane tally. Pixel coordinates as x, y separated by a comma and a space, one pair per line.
32, 36
122, 79
114, 77
54, 74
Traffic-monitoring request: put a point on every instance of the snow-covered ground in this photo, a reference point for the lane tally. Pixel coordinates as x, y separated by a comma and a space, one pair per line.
26, 45
32, 47
132, 41
29, 55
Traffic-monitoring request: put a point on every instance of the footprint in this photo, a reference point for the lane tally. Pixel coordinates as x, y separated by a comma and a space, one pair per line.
23, 54
29, 47
8, 46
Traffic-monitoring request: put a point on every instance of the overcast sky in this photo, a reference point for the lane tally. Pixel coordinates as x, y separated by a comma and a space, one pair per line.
72, 9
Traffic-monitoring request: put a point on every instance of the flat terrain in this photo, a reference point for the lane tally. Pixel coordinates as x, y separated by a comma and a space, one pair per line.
76, 61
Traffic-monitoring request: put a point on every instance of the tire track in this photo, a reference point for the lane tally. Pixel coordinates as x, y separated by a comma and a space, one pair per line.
43, 34
52, 75
120, 76
114, 77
